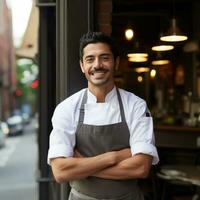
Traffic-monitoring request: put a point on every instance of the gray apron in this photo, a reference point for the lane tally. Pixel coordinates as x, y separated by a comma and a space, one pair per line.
92, 140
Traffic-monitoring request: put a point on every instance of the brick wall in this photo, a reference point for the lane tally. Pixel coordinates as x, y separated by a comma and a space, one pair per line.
104, 16
7, 61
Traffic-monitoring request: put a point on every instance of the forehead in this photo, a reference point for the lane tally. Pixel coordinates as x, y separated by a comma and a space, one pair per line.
96, 49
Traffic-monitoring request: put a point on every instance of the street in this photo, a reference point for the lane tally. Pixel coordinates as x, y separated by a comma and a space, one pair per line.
18, 166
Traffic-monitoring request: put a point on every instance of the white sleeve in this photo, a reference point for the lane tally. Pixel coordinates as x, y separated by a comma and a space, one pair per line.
141, 132
62, 137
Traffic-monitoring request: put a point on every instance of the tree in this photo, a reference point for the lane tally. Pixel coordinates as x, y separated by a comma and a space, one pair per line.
27, 83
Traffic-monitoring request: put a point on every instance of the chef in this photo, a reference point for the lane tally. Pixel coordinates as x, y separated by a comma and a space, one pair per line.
102, 139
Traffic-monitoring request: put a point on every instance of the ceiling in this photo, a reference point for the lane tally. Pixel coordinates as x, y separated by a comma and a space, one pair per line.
151, 18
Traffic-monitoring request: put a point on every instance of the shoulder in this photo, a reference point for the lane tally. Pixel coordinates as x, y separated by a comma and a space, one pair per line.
134, 106
71, 103
130, 99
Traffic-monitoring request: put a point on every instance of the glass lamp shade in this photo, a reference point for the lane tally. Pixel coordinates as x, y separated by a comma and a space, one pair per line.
129, 34
141, 69
137, 59
137, 53
173, 34
160, 59
130, 55
160, 62
162, 48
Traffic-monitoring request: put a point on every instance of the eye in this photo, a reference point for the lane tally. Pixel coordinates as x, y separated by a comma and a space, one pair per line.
105, 57
89, 59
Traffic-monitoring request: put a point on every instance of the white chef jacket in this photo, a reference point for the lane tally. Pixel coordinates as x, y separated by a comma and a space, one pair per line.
138, 118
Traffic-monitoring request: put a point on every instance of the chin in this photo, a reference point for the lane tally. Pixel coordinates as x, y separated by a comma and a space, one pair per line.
100, 83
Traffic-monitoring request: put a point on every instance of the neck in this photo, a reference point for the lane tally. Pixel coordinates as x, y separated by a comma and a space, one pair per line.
100, 92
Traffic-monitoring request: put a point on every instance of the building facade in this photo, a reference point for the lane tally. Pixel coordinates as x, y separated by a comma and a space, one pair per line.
7, 62
62, 23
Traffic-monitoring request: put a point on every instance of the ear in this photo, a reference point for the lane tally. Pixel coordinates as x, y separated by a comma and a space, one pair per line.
81, 65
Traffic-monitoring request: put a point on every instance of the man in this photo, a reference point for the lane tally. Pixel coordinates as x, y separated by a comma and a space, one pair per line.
102, 139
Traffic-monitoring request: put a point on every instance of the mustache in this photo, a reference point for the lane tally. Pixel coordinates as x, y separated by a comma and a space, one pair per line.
99, 69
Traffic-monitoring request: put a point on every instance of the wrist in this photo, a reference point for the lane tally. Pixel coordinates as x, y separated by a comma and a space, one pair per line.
110, 158
123, 154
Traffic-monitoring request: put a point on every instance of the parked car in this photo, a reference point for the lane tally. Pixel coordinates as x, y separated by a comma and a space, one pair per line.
4, 127
15, 124
26, 118
2, 135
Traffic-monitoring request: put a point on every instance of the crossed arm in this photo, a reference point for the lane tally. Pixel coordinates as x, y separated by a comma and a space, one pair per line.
111, 165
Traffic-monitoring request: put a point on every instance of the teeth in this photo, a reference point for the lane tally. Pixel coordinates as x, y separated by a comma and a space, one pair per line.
97, 72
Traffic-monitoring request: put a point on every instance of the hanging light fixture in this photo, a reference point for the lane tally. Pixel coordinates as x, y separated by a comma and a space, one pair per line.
159, 60
141, 69
162, 47
153, 73
140, 79
137, 53
173, 34
129, 33
137, 59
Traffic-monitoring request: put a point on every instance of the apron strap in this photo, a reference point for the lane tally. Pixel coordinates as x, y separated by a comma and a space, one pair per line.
84, 100
82, 109
121, 106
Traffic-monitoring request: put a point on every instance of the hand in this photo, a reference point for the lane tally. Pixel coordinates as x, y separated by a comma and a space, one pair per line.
77, 154
123, 154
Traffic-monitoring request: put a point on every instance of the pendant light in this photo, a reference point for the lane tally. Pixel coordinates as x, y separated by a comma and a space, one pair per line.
160, 60
129, 33
138, 59
153, 73
137, 53
162, 47
141, 69
173, 34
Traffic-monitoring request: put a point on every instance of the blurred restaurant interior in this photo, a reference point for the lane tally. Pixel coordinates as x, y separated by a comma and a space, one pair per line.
168, 79
172, 88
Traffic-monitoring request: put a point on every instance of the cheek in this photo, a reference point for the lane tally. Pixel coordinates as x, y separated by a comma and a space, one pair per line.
86, 69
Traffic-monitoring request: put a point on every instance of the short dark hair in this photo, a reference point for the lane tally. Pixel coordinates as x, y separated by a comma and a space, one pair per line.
95, 37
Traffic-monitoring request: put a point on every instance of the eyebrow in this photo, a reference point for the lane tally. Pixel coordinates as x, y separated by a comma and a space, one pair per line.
106, 54
103, 54
89, 56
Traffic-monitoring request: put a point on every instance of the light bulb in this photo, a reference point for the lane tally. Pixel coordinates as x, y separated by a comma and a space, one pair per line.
129, 34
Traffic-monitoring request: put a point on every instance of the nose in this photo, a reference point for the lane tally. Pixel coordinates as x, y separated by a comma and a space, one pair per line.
97, 62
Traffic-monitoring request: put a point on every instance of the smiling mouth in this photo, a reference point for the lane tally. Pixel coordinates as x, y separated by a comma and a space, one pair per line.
98, 73
101, 71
